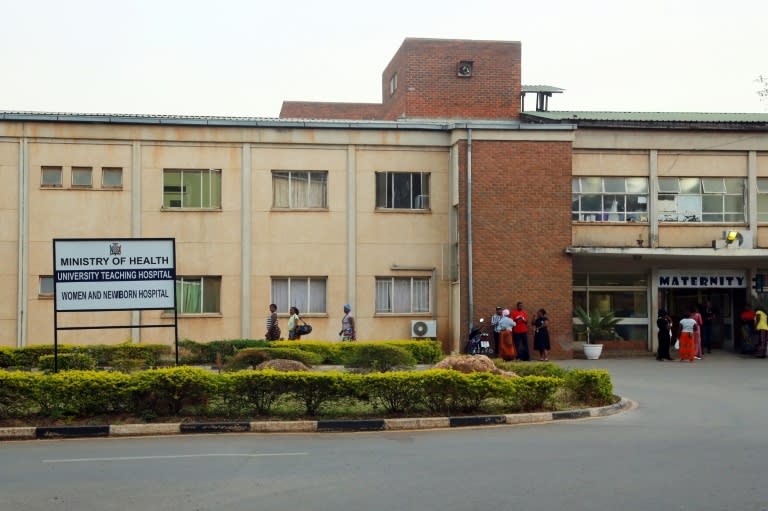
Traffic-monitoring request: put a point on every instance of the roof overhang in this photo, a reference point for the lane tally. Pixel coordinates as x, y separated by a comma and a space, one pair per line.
743, 255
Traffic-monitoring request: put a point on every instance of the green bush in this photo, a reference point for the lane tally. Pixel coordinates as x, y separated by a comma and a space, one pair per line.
378, 356
19, 392
397, 392
425, 352
532, 392
28, 356
252, 357
314, 389
169, 391
84, 394
328, 350
530, 369
7, 358
128, 365
67, 362
590, 386
252, 391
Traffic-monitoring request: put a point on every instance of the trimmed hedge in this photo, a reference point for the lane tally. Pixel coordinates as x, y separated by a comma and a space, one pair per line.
67, 362
190, 391
103, 354
379, 357
251, 357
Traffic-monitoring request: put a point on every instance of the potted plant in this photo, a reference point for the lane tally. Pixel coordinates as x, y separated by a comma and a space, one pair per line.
595, 327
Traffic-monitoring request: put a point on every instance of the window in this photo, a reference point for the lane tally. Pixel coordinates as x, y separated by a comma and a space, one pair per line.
402, 190
625, 295
82, 177
706, 199
198, 295
299, 190
402, 294
111, 177
393, 84
305, 293
199, 189
51, 177
46, 285
610, 199
762, 199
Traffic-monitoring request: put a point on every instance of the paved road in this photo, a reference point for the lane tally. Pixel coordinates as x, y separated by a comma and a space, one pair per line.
697, 441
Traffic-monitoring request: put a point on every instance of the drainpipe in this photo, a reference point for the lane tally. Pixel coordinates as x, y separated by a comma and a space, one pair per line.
22, 268
470, 291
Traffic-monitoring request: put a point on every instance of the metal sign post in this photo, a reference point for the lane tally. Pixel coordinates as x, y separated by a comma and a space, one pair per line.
111, 274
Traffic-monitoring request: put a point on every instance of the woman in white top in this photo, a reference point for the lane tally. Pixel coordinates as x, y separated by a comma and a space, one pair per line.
688, 327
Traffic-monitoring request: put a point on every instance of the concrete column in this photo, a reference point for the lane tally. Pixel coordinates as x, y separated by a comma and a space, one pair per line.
653, 194
23, 245
351, 226
245, 242
653, 342
136, 228
752, 197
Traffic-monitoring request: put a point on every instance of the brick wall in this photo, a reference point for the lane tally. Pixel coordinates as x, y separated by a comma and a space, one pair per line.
329, 110
428, 85
521, 196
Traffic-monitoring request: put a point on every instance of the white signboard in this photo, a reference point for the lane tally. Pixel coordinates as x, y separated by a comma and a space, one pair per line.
114, 274
702, 278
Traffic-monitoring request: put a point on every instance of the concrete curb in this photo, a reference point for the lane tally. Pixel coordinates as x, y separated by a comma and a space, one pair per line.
123, 430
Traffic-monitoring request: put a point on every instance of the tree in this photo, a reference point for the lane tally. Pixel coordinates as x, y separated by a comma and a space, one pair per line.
762, 87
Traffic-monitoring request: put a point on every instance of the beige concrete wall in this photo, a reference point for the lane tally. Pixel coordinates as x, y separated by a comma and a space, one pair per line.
9, 237
702, 164
676, 236
599, 235
207, 241
762, 165
610, 163
412, 239
68, 212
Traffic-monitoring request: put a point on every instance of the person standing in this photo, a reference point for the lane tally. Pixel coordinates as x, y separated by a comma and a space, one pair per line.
347, 331
506, 341
541, 334
746, 329
688, 326
293, 324
761, 325
697, 354
495, 327
273, 329
664, 335
520, 332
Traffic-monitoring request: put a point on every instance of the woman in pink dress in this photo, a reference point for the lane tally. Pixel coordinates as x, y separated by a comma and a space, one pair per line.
688, 328
697, 334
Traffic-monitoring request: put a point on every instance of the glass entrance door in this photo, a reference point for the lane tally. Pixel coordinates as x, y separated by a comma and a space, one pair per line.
679, 302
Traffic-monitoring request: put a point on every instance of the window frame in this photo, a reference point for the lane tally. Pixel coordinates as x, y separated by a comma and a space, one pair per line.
580, 190
762, 214
320, 175
213, 174
51, 168
390, 310
688, 206
182, 279
78, 171
108, 170
44, 281
307, 310
389, 193
583, 285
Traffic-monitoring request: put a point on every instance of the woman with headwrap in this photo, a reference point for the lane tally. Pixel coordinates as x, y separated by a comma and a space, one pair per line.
347, 331
506, 341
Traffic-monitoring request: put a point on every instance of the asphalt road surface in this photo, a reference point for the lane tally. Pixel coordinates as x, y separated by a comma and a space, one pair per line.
696, 441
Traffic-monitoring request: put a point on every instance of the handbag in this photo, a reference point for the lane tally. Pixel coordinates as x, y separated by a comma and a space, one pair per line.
677, 344
304, 329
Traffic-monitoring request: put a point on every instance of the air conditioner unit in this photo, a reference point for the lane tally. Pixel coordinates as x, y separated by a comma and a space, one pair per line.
423, 328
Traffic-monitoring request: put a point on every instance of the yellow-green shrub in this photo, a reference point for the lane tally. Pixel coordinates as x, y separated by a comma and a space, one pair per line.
67, 362
590, 386
532, 392
169, 391
19, 391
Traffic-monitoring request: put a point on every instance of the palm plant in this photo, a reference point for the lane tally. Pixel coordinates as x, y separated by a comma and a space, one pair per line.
596, 325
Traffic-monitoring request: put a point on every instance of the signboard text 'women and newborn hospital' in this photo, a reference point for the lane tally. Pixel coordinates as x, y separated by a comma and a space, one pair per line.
114, 274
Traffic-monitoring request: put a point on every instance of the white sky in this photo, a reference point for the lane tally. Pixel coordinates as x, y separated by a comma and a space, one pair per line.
243, 58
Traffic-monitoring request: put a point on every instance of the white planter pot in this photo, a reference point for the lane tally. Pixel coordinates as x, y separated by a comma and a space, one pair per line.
593, 351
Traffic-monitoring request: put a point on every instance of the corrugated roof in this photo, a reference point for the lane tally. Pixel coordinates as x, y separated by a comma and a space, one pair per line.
651, 117
541, 88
